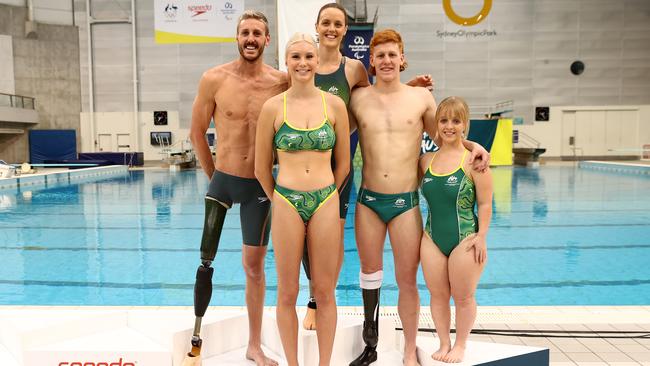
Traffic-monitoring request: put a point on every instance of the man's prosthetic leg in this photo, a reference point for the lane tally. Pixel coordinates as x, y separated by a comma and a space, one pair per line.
309, 323
370, 286
215, 214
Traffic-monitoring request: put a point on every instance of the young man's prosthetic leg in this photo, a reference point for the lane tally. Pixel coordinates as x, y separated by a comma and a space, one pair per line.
215, 214
370, 286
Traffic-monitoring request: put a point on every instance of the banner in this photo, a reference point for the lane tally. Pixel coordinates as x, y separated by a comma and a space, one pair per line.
197, 21
427, 144
356, 44
495, 136
296, 16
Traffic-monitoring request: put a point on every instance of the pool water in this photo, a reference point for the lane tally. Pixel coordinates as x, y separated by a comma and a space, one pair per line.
559, 236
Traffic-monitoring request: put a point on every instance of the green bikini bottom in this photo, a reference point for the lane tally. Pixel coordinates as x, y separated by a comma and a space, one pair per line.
306, 202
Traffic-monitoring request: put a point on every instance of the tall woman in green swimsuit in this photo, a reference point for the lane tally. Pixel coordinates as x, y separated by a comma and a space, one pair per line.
305, 126
339, 75
453, 249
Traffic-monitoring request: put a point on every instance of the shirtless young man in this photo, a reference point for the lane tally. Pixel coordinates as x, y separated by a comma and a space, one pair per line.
233, 94
391, 117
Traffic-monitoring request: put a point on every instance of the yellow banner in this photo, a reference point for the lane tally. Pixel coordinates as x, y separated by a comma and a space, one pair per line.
501, 152
167, 37
196, 21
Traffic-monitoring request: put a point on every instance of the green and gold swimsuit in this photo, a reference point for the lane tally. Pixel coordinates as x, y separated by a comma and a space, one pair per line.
292, 139
451, 198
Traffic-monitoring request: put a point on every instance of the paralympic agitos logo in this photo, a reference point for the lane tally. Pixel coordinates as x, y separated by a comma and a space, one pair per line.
98, 363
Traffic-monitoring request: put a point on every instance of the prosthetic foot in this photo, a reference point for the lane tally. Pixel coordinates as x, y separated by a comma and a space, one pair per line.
215, 214
371, 338
366, 358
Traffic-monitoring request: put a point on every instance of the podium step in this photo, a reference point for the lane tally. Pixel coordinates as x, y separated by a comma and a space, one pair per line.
238, 358
388, 358
120, 345
24, 329
6, 359
348, 343
221, 331
485, 354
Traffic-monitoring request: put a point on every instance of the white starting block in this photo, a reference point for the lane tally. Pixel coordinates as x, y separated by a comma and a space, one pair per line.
485, 354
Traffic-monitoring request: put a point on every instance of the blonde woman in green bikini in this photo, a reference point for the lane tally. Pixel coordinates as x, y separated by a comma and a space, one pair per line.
305, 127
453, 251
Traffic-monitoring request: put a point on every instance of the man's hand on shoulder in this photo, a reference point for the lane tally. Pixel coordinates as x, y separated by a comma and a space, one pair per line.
424, 81
479, 158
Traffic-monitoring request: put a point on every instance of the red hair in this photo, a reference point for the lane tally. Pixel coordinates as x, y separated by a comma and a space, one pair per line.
387, 36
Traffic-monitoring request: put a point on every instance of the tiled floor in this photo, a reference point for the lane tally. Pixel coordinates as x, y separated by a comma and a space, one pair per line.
577, 350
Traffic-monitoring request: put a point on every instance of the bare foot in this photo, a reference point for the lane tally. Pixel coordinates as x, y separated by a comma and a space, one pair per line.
440, 354
309, 323
411, 359
455, 355
256, 355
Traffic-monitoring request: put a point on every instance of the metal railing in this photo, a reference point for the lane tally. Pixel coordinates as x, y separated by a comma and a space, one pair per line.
489, 111
528, 141
17, 101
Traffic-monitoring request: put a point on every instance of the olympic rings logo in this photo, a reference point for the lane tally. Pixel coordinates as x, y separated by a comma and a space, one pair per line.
487, 6
359, 40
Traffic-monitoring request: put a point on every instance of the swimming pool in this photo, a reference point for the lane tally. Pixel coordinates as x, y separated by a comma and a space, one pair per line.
559, 236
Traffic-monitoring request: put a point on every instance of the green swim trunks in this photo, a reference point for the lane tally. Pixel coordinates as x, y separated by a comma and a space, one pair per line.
306, 203
388, 206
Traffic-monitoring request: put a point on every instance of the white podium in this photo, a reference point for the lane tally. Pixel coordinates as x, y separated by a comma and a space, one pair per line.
161, 337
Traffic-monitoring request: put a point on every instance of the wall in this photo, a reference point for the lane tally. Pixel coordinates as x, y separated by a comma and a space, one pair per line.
602, 131
46, 68
48, 11
168, 74
644, 127
529, 58
114, 123
7, 84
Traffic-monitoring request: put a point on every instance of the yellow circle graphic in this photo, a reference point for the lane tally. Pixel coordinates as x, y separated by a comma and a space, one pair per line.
487, 6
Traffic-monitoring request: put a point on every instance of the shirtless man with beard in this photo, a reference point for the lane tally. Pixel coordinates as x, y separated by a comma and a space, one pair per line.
233, 94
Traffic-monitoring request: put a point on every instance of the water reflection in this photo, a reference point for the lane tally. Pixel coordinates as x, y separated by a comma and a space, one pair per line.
529, 185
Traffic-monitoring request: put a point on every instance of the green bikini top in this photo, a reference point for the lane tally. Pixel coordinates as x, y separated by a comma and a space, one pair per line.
290, 138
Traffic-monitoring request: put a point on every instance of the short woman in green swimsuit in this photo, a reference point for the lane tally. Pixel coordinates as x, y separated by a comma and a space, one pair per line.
305, 127
453, 249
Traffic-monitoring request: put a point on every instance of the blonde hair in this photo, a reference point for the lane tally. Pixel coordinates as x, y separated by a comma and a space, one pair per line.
300, 37
454, 107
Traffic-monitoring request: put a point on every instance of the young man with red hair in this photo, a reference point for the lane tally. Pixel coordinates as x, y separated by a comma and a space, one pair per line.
391, 117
